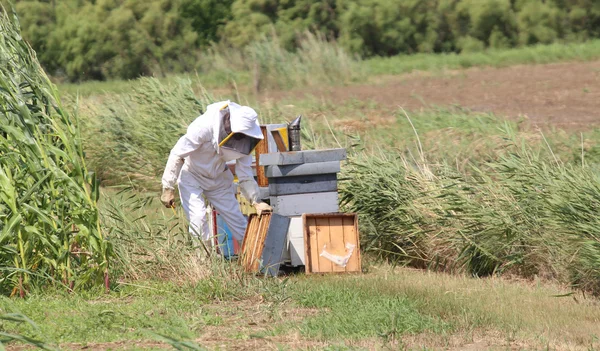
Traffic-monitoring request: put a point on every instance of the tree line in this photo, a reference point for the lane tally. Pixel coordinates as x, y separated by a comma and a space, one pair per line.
106, 39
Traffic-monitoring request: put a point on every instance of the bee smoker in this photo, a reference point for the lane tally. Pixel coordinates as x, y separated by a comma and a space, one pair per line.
294, 134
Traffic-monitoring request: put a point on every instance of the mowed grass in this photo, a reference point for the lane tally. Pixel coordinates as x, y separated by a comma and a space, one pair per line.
387, 307
416, 308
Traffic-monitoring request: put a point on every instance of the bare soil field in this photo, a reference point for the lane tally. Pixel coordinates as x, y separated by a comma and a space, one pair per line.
566, 95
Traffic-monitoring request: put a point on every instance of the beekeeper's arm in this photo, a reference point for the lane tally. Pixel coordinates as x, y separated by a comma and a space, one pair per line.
248, 186
184, 146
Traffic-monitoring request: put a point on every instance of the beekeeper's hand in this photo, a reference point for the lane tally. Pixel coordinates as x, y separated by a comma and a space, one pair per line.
168, 198
262, 207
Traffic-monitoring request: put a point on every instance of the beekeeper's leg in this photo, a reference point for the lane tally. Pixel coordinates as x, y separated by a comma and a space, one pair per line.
195, 210
223, 200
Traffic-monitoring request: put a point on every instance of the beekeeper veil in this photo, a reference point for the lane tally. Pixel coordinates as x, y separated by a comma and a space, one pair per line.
238, 131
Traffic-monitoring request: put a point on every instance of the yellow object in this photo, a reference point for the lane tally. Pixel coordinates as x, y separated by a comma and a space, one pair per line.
245, 206
284, 134
225, 140
229, 137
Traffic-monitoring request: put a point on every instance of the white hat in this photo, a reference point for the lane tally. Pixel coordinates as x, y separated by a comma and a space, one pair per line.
244, 119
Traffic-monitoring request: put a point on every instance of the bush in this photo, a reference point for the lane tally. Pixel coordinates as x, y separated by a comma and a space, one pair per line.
124, 39
112, 38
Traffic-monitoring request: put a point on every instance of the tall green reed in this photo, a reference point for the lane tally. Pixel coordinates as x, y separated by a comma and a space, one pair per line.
128, 137
153, 243
49, 225
266, 64
523, 212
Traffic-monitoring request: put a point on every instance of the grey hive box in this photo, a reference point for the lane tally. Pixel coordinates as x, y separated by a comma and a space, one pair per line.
302, 169
302, 182
301, 157
318, 183
298, 204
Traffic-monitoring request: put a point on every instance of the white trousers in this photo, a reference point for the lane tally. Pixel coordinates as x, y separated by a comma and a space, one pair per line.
221, 194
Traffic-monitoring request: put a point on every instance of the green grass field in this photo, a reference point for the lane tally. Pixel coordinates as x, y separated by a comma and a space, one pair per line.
384, 308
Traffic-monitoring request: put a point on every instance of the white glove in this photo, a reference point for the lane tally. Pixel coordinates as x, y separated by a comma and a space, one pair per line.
168, 198
250, 190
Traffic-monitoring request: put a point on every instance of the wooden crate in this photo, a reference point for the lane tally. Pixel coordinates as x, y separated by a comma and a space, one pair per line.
264, 243
331, 243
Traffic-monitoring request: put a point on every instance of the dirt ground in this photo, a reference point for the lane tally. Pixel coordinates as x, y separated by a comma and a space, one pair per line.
566, 95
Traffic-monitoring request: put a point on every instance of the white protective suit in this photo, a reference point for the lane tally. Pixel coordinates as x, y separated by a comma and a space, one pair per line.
198, 165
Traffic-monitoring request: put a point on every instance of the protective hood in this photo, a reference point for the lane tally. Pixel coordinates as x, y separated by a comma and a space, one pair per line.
244, 120
237, 130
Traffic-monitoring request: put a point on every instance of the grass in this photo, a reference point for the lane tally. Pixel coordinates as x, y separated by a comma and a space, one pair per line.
447, 197
121, 316
138, 129
408, 309
446, 189
319, 63
354, 312
538, 54
262, 65
166, 297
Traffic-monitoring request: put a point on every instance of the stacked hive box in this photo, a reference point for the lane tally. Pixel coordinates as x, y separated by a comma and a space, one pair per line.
302, 182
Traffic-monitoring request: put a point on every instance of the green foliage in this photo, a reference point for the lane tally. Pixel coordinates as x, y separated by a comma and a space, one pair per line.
488, 21
38, 21
111, 38
124, 39
49, 227
380, 27
288, 18
251, 19
207, 18
539, 22
518, 209
384, 28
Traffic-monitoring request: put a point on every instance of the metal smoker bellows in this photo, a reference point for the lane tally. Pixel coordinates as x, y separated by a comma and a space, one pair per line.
294, 134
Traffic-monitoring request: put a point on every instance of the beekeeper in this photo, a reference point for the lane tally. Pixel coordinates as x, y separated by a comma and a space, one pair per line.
197, 164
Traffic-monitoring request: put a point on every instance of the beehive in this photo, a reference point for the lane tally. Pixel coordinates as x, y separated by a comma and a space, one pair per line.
331, 242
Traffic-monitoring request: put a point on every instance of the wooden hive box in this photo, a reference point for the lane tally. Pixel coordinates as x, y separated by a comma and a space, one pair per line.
275, 138
331, 243
264, 243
